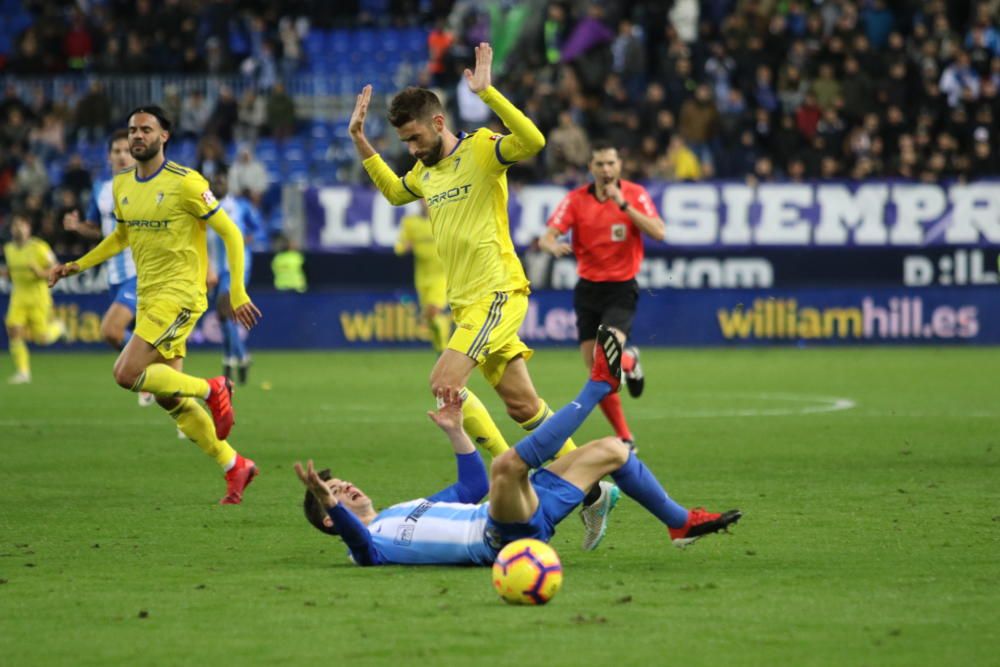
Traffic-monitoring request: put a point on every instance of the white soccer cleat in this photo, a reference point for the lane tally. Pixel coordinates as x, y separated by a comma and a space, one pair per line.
19, 378
146, 399
595, 517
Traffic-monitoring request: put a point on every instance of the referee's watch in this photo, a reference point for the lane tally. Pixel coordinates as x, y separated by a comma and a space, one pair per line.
624, 205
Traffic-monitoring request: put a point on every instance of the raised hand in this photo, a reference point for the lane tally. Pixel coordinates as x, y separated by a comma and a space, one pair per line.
311, 480
448, 416
356, 127
480, 80
60, 271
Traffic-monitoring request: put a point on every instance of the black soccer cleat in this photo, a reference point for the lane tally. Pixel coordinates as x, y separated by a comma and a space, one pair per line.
701, 523
634, 379
243, 370
607, 359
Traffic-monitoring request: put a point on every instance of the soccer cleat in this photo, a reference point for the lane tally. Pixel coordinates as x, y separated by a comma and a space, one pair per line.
238, 479
634, 379
146, 399
701, 523
220, 402
19, 378
607, 359
243, 370
595, 516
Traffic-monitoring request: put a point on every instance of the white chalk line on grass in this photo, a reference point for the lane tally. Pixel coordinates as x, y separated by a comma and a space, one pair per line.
813, 405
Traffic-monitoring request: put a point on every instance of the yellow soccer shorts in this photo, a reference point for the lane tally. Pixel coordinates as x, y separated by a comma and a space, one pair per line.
166, 326
486, 332
32, 316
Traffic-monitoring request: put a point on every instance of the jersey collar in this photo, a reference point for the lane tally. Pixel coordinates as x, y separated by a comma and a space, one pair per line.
461, 138
151, 176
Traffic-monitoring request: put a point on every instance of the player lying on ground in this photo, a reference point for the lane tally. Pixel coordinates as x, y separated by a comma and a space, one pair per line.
450, 528
162, 209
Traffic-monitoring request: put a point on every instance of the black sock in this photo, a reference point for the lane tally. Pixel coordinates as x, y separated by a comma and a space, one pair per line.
592, 495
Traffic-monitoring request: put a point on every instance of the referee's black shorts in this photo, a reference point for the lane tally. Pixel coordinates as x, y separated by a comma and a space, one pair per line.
611, 303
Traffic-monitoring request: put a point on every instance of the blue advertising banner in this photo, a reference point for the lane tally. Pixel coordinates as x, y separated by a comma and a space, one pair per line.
386, 318
719, 215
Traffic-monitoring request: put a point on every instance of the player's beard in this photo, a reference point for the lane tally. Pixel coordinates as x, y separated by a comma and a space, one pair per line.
435, 154
146, 153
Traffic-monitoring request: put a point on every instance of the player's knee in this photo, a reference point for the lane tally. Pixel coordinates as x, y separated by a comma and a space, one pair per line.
126, 376
522, 409
508, 465
615, 451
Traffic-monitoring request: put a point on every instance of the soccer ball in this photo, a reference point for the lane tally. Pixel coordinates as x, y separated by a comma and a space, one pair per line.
527, 572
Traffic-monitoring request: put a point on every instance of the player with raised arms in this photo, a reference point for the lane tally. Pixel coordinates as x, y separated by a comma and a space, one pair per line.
463, 180
162, 209
450, 527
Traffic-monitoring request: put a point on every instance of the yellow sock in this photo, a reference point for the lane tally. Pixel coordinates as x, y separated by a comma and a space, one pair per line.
162, 380
480, 426
19, 353
195, 423
440, 331
544, 413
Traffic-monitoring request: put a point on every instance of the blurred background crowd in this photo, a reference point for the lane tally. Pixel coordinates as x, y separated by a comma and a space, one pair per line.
752, 90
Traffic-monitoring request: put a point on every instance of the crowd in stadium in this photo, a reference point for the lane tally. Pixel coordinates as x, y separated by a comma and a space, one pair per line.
738, 89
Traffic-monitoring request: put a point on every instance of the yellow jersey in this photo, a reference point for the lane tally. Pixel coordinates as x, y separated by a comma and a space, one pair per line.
415, 235
164, 219
466, 195
27, 287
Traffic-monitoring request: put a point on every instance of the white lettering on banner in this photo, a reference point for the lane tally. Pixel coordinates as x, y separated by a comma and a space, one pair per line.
781, 221
915, 204
559, 324
691, 214
976, 211
864, 212
736, 229
731, 214
335, 231
962, 267
538, 202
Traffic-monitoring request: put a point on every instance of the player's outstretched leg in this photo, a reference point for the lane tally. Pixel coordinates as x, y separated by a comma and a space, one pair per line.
163, 381
684, 526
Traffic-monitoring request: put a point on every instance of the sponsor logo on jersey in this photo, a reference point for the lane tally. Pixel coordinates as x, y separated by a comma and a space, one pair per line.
148, 225
460, 192
209, 198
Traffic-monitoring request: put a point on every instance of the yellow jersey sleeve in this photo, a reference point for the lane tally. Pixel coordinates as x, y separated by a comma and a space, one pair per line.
397, 190
525, 139
196, 197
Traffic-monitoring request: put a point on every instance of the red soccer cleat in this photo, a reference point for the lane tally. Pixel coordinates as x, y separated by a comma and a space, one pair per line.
701, 523
220, 402
238, 479
607, 359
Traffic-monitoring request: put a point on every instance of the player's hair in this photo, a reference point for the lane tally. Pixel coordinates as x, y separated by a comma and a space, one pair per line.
117, 135
156, 112
602, 145
414, 104
315, 512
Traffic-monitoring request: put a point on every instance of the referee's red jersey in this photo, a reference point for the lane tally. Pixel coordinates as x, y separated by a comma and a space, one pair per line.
607, 244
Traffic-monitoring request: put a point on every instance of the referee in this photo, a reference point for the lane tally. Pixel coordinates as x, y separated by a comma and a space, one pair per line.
607, 219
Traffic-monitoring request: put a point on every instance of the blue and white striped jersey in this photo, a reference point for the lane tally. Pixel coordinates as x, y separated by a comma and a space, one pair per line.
101, 211
422, 531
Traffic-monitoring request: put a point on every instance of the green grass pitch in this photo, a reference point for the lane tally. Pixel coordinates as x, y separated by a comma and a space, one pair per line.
869, 479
